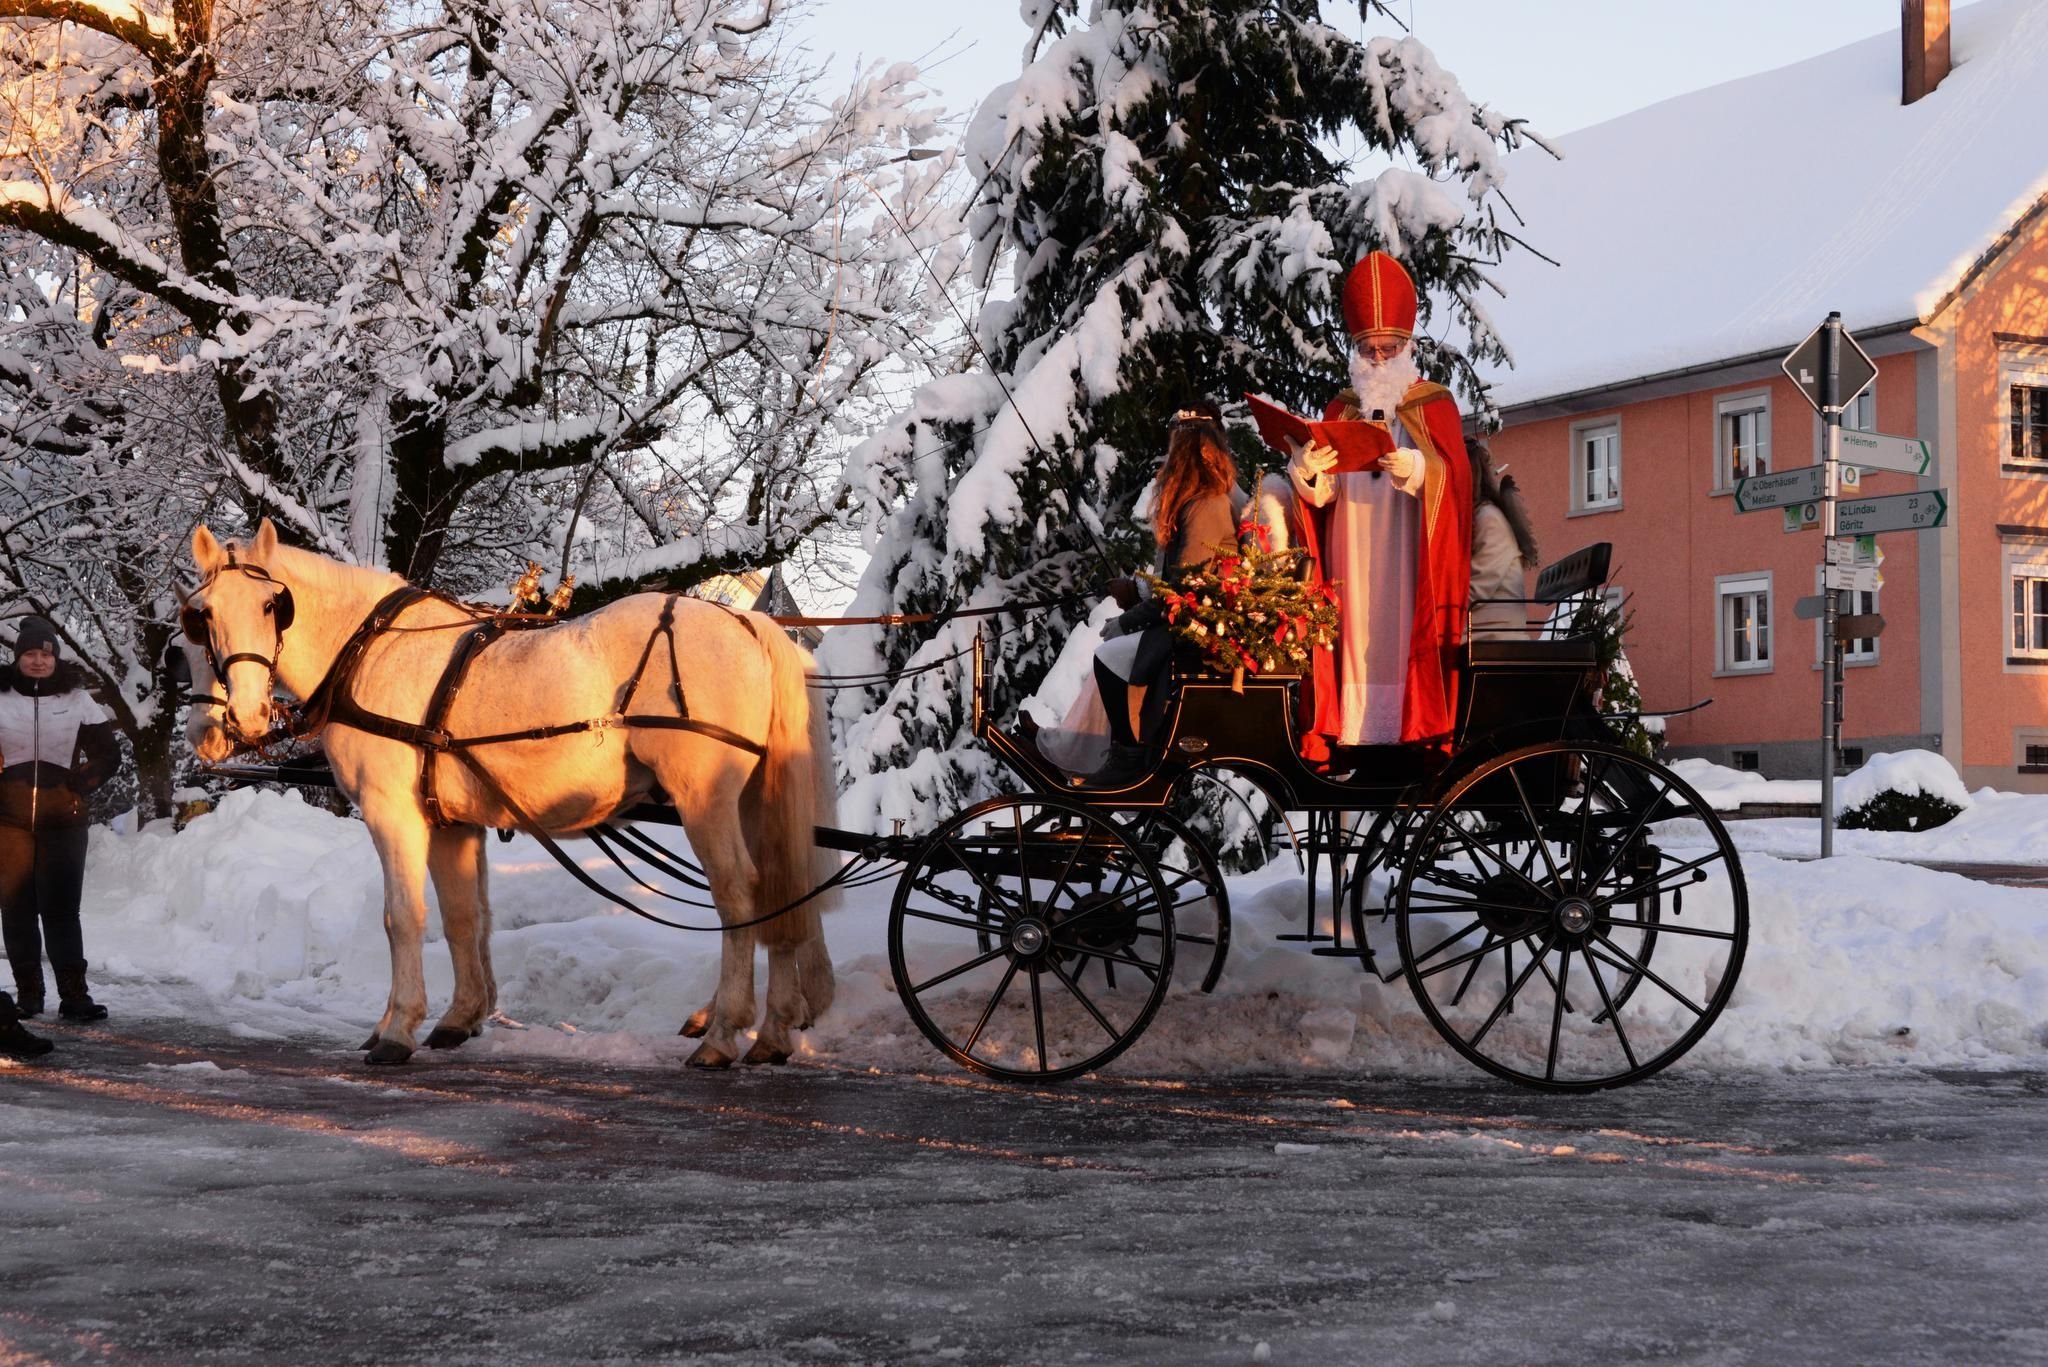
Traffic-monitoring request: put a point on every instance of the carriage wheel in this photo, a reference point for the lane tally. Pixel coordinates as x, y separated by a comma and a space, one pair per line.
1194, 883
1391, 833
1538, 894
1003, 924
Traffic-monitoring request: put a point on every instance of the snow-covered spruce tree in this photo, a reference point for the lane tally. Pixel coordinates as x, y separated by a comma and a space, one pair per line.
1160, 185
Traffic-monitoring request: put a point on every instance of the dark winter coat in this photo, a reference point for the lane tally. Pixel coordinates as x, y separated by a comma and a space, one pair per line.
57, 747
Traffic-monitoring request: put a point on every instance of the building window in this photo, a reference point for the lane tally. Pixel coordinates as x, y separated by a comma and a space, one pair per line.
1860, 413
2034, 759
2030, 611
1596, 467
1743, 443
1744, 622
2029, 404
1746, 761
1851, 758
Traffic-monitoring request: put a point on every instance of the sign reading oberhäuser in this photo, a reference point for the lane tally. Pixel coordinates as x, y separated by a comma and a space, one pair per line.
1778, 488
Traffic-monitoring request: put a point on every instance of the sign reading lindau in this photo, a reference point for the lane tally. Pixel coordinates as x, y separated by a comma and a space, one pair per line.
1893, 513
1876, 451
1803, 365
1780, 487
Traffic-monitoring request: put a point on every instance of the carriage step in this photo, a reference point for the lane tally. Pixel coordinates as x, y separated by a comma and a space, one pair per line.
1342, 952
1291, 936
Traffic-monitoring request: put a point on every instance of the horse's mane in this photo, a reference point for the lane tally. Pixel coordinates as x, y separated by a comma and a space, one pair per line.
320, 574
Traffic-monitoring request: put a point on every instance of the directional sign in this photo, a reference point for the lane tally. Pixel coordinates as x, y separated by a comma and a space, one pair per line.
1859, 626
1810, 609
1876, 451
1893, 513
1779, 488
1803, 365
1862, 578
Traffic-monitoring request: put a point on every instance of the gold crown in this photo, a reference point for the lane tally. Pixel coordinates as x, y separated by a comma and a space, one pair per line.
1192, 415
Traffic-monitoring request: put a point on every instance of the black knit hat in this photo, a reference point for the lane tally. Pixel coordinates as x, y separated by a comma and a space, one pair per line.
34, 632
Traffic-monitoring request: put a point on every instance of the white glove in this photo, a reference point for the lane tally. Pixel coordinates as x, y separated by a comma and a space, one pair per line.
1401, 463
1306, 468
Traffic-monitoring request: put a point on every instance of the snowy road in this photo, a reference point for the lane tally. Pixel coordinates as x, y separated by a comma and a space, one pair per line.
169, 1194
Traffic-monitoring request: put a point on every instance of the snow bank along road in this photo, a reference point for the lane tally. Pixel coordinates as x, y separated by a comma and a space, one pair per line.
172, 1194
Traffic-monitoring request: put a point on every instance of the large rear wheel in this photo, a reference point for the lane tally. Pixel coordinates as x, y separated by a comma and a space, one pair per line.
1032, 938
1572, 916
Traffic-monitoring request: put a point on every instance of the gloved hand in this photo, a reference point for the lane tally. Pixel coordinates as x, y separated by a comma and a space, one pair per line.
1310, 462
1113, 628
1401, 463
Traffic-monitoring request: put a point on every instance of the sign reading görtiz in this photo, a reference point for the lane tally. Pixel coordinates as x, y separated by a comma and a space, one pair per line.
1876, 451
1780, 487
1894, 513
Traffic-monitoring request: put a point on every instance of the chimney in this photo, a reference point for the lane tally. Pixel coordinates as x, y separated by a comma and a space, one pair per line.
1923, 41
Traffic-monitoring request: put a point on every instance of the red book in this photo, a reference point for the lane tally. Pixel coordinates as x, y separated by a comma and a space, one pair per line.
1359, 445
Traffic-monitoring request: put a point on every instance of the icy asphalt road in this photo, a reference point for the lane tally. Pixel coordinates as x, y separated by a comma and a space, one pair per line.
177, 1197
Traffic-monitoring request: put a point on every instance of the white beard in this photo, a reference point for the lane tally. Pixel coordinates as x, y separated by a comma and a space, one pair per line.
1381, 386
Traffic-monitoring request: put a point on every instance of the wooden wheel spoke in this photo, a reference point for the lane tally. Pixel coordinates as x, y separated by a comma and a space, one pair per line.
1471, 970
1564, 973
993, 893
1657, 885
1505, 867
1535, 829
1507, 944
919, 989
1038, 1025
1009, 976
1107, 956
1667, 928
983, 926
1609, 1011
1441, 945
1073, 985
1642, 820
1508, 998
1635, 965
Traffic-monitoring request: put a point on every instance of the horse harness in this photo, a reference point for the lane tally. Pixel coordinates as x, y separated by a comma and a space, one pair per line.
333, 701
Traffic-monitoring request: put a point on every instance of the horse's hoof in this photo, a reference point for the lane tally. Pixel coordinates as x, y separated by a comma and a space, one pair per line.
449, 1037
696, 1025
709, 1056
368, 1044
387, 1052
761, 1054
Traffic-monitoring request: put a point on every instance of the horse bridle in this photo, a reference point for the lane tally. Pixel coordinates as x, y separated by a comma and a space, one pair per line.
197, 625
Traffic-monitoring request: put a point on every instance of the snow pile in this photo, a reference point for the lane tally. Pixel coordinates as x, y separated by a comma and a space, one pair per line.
1906, 772
1725, 789
1996, 828
265, 917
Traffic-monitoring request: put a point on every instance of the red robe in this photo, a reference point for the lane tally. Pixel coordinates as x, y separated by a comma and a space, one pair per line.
1443, 577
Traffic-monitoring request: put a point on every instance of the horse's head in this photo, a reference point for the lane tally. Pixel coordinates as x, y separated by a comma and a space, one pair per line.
205, 705
238, 617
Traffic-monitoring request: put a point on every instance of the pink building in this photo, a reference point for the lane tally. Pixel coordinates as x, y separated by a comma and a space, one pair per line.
1698, 241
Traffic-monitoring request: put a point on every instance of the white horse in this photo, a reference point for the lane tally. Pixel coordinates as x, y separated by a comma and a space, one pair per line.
270, 613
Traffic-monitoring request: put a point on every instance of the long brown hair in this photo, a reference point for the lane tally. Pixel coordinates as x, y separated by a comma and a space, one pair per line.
1197, 465
1501, 491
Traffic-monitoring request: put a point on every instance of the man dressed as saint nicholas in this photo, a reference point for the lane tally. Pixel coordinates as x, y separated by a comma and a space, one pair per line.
1395, 540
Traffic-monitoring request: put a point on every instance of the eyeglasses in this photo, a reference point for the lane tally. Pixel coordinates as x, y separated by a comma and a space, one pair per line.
1380, 351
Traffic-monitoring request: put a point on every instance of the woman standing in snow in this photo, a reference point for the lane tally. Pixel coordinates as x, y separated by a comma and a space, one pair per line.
56, 747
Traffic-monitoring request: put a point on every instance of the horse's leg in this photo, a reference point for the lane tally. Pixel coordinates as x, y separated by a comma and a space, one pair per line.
402, 837
698, 1023
455, 859
785, 1006
710, 812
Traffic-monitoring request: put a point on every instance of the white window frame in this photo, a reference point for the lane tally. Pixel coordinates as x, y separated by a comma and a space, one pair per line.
1729, 586
1758, 400
1582, 433
2023, 560
2019, 363
1866, 602
1860, 410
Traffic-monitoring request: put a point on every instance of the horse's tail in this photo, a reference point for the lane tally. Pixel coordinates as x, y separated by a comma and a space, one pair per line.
798, 793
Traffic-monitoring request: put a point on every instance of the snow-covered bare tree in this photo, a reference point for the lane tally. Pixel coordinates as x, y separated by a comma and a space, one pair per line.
1161, 186
523, 277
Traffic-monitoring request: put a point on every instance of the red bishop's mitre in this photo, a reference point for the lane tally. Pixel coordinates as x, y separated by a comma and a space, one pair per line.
1379, 297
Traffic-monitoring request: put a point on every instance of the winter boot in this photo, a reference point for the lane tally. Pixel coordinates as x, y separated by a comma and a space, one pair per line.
74, 1003
16, 1042
28, 999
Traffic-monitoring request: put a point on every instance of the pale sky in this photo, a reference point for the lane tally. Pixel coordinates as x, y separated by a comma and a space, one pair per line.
1561, 64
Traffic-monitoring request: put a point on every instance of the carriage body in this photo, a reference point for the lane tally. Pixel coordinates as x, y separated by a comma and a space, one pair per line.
1532, 843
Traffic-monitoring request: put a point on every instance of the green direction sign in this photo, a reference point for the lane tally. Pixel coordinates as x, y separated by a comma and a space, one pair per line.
1779, 488
1876, 451
1893, 513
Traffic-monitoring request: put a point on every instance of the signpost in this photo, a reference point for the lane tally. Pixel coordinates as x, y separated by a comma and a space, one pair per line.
1779, 488
1875, 451
1893, 513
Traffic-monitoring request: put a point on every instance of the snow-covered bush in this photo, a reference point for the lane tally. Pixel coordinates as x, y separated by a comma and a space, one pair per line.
1903, 790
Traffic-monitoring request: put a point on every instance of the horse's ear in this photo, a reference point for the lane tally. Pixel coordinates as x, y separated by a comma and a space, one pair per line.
206, 550
265, 544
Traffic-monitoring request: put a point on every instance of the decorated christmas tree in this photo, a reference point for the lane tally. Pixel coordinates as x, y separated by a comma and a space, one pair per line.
1160, 215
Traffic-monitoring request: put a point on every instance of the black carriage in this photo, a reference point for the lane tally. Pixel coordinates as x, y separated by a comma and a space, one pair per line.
1530, 881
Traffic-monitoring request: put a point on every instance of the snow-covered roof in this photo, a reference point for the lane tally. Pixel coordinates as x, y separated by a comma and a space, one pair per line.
1729, 221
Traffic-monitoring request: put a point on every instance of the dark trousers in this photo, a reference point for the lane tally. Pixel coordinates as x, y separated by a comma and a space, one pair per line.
1148, 671
42, 875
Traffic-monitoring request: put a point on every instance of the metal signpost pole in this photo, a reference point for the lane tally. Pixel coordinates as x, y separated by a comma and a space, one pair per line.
1831, 416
